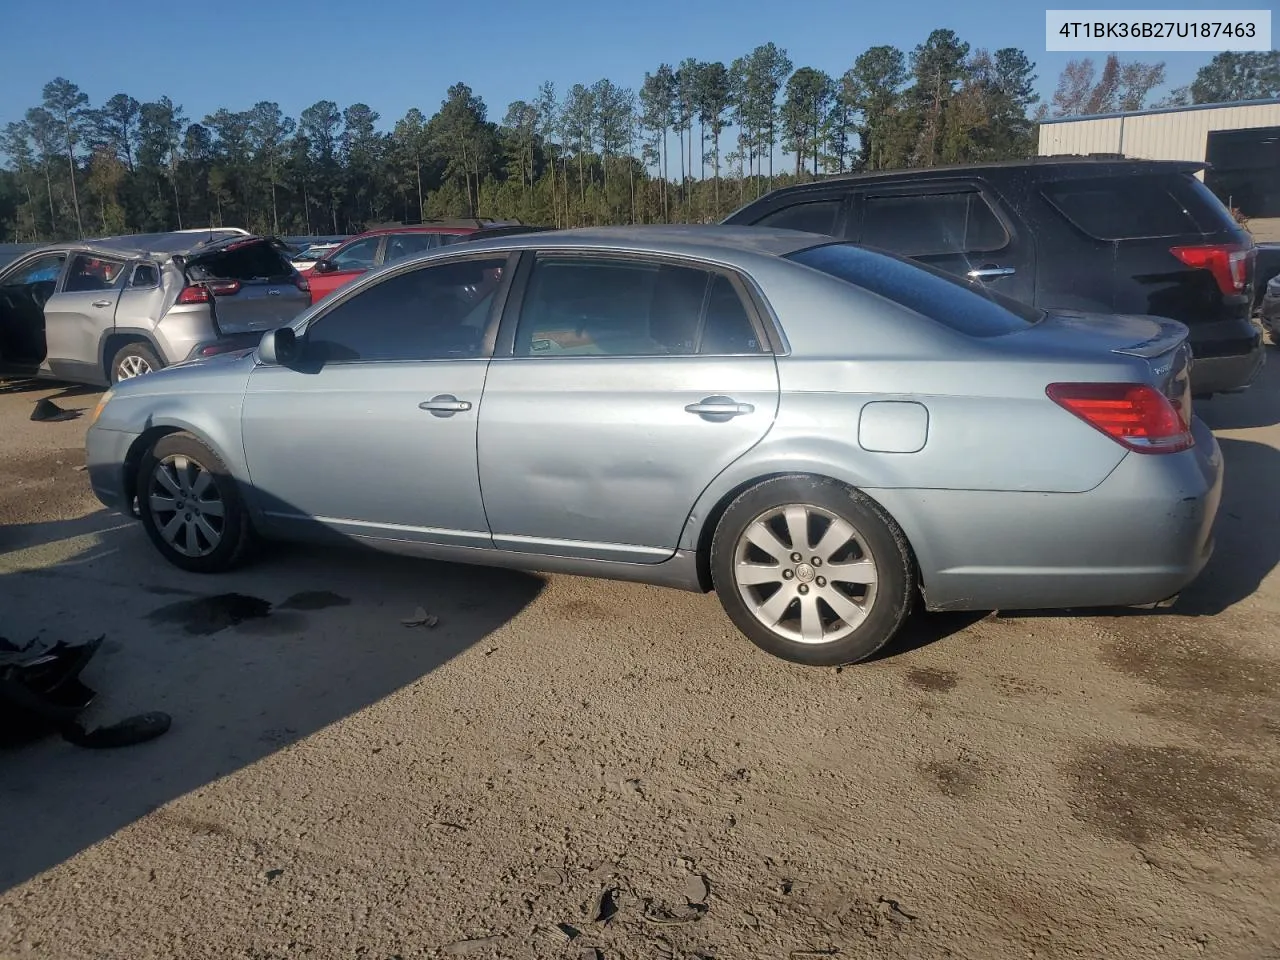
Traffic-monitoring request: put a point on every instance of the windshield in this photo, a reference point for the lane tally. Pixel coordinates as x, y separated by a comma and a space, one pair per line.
964, 305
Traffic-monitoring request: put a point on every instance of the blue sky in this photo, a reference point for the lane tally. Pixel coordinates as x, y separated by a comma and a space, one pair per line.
396, 54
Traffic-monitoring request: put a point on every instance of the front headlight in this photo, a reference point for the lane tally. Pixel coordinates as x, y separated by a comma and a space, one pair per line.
97, 411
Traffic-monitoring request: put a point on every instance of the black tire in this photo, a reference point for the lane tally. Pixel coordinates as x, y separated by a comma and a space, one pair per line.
137, 351
236, 534
876, 537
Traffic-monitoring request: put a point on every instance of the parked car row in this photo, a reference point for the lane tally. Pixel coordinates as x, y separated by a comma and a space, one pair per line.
1105, 236
825, 409
381, 246
101, 311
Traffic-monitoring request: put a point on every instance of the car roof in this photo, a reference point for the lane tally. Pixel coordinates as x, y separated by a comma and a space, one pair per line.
714, 241
184, 243
1039, 167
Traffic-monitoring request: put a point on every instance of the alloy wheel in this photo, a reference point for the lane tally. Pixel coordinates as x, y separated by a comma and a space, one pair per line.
805, 573
187, 506
132, 366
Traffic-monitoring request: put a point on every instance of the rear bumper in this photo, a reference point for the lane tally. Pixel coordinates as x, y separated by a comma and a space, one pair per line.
1270, 310
1139, 537
1223, 374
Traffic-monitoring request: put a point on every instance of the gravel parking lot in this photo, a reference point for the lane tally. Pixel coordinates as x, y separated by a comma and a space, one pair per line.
559, 750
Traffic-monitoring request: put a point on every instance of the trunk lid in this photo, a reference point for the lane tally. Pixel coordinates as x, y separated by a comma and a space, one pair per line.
253, 285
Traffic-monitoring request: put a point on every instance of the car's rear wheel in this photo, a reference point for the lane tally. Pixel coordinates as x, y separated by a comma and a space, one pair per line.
190, 506
134, 360
812, 571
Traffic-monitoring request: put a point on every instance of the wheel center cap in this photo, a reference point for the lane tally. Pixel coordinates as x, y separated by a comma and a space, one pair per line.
804, 573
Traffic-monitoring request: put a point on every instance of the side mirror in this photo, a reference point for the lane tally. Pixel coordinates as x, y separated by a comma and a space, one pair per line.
324, 266
278, 348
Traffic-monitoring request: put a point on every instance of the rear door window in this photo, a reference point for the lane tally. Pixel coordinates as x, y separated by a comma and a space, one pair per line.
1138, 207
963, 305
921, 225
91, 273
816, 216
614, 307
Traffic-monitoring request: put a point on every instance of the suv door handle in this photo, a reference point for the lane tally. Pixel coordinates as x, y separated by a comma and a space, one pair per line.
719, 409
990, 271
444, 405
102, 303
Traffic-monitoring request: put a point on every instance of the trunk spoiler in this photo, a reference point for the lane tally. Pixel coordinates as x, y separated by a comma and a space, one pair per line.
1171, 334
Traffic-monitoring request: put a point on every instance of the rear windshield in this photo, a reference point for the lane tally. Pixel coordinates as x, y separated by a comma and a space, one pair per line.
961, 304
1139, 207
251, 260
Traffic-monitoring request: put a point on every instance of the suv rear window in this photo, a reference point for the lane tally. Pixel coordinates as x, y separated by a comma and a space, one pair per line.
251, 260
1139, 207
954, 302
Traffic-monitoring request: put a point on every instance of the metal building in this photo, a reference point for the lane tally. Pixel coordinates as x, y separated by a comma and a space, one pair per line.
1240, 142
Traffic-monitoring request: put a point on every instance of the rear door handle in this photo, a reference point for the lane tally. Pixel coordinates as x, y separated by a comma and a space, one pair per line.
990, 272
719, 409
444, 405
102, 303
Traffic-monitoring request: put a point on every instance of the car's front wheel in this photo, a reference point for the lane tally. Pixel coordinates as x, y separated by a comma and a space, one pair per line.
190, 506
812, 571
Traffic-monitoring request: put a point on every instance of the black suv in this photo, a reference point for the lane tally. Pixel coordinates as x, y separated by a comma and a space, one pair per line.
1076, 233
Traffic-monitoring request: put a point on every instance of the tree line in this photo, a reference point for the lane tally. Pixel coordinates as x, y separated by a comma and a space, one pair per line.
693, 141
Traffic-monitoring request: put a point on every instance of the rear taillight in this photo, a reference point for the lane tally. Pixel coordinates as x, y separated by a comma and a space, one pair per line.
1135, 415
1228, 262
201, 292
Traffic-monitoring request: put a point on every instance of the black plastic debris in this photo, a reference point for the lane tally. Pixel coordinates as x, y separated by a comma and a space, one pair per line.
46, 411
126, 733
41, 693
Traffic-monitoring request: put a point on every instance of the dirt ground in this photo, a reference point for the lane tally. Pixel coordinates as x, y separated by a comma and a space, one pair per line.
562, 767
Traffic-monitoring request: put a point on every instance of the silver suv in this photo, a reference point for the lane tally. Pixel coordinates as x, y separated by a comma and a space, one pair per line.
101, 311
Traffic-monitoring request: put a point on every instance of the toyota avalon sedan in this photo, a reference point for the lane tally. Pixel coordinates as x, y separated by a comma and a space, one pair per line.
820, 433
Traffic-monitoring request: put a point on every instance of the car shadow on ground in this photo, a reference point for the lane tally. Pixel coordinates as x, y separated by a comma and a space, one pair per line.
1259, 406
316, 635
62, 390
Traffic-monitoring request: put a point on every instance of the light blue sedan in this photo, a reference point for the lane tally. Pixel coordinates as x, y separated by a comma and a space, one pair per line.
821, 433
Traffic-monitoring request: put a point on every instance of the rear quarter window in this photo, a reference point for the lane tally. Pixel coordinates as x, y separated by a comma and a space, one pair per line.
814, 216
1139, 207
951, 301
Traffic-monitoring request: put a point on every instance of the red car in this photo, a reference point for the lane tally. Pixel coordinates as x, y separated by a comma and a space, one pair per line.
382, 245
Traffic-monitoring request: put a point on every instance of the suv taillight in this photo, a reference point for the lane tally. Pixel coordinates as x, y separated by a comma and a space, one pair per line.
1135, 415
1228, 262
200, 292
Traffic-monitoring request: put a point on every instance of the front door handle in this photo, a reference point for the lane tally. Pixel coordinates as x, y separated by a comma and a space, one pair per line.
719, 409
444, 405
102, 303
990, 271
